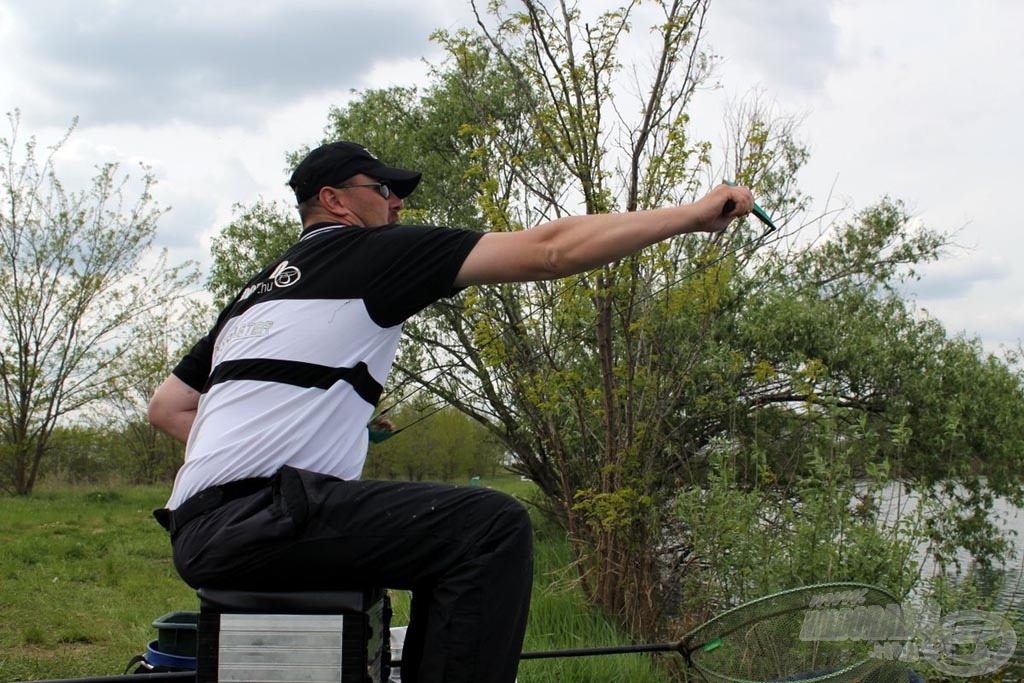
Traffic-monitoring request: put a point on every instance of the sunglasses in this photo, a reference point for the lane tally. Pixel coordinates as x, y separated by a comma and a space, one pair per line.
382, 188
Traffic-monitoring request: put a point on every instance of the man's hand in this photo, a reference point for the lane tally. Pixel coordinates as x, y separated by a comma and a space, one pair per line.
382, 424
724, 204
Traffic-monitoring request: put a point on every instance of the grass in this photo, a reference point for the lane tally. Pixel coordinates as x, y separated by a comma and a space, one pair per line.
84, 572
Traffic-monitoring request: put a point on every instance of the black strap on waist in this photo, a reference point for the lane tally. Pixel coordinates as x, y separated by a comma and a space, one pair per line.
208, 499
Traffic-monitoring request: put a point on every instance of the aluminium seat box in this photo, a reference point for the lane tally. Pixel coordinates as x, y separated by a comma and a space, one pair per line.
312, 637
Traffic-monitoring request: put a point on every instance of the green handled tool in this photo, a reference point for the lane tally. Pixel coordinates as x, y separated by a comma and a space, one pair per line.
761, 214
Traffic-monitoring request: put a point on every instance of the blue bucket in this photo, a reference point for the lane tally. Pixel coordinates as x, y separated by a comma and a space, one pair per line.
156, 658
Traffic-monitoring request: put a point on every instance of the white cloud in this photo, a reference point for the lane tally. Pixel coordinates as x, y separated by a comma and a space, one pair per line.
790, 44
214, 63
911, 98
956, 277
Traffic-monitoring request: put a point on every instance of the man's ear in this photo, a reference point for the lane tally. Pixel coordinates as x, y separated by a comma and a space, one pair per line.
330, 199
333, 201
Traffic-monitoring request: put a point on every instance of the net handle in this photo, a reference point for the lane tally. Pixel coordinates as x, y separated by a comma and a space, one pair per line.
612, 650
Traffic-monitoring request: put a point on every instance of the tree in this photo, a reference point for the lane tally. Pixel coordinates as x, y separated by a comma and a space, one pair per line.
75, 269
577, 376
442, 445
833, 342
80, 454
511, 131
161, 337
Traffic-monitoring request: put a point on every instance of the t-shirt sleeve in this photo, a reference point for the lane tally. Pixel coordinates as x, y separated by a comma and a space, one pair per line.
419, 267
194, 368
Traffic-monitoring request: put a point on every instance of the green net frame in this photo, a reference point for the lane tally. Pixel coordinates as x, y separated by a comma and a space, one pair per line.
822, 633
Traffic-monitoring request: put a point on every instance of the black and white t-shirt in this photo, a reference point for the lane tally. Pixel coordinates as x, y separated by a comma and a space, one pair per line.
293, 368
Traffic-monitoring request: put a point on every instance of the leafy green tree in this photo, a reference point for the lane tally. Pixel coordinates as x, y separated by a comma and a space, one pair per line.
75, 269
578, 376
442, 445
80, 454
162, 337
834, 341
612, 388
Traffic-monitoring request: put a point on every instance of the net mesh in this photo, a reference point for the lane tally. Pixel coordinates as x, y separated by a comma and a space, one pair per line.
837, 632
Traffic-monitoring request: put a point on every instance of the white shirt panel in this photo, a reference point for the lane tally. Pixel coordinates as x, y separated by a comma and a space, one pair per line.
308, 331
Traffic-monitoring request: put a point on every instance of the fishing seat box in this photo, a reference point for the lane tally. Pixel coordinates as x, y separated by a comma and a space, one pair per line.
313, 637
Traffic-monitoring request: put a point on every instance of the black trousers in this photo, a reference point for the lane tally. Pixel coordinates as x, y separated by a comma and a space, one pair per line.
465, 553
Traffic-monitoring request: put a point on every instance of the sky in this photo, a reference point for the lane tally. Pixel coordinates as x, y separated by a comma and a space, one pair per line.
920, 100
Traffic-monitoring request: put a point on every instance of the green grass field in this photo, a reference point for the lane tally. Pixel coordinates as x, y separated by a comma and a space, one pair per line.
84, 572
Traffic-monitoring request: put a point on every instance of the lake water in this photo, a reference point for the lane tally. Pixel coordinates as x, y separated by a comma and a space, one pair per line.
1008, 583
1004, 584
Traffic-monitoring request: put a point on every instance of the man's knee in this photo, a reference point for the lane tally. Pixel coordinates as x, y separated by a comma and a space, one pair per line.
510, 521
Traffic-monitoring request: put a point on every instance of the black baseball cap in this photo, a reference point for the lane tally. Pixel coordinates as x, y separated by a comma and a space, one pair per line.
332, 164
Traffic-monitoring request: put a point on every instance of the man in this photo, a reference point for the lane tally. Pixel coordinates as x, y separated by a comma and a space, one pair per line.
273, 404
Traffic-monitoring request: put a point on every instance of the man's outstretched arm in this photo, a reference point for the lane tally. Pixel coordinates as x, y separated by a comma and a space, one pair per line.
575, 244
